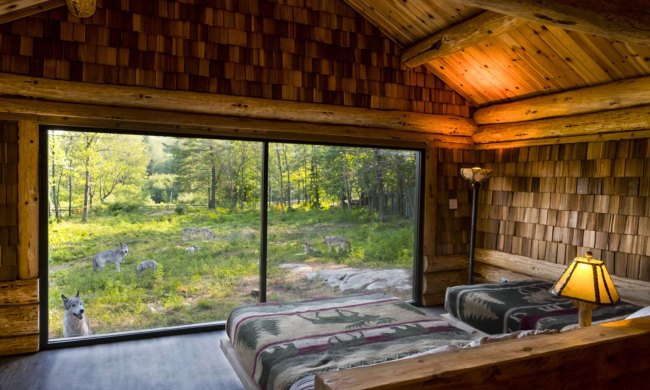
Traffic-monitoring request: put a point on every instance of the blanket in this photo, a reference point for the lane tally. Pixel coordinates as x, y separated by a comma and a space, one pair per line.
280, 343
520, 305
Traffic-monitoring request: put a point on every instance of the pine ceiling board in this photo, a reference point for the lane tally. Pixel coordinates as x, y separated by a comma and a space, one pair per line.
409, 21
579, 60
455, 80
615, 64
539, 65
639, 54
545, 59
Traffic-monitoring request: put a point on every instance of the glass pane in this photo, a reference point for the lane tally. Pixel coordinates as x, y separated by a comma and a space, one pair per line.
341, 221
152, 231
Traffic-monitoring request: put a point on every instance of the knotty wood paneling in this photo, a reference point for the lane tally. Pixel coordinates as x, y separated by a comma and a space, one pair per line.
321, 52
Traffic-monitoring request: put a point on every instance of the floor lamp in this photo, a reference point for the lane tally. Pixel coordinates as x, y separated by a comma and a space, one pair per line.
475, 176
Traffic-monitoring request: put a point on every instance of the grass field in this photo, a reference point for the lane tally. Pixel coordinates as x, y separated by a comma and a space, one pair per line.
205, 285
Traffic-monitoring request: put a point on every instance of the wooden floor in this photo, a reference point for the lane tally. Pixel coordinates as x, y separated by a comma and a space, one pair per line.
192, 361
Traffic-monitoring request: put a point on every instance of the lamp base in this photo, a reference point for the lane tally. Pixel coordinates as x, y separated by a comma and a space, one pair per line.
584, 313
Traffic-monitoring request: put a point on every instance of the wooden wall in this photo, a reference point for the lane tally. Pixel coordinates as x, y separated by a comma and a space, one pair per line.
555, 202
8, 201
18, 244
318, 51
547, 203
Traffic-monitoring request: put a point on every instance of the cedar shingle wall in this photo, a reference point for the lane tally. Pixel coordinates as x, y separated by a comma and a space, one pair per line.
310, 51
555, 202
8, 200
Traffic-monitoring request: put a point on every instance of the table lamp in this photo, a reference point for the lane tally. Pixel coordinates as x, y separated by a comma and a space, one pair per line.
588, 283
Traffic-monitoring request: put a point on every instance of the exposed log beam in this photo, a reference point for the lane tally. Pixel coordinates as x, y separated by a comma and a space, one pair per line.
88, 115
234, 106
624, 135
629, 119
624, 20
18, 9
459, 36
611, 96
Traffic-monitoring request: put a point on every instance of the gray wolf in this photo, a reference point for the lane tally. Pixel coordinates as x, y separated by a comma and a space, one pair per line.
337, 243
192, 233
147, 264
309, 250
112, 256
75, 322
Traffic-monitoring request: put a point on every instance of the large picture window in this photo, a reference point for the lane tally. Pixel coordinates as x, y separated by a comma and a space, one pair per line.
150, 232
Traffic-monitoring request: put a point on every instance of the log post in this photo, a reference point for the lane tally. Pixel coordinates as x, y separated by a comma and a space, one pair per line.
28, 200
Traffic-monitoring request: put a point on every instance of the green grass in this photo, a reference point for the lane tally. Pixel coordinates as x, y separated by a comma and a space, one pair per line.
202, 286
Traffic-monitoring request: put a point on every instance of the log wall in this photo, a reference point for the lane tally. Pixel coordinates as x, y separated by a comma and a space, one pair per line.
319, 51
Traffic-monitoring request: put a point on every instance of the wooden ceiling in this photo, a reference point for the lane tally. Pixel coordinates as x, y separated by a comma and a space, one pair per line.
527, 58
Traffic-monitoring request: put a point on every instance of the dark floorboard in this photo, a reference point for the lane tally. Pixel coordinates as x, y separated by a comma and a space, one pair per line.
192, 361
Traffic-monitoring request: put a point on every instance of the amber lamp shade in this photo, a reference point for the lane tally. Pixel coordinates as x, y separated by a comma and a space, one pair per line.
588, 283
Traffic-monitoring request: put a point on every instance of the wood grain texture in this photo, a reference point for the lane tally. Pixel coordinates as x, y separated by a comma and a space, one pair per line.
245, 107
19, 292
18, 320
17, 9
28, 200
627, 21
610, 96
95, 115
547, 361
458, 37
623, 120
321, 52
19, 344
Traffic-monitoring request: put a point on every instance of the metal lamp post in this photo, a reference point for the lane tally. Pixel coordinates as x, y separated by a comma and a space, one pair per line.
475, 176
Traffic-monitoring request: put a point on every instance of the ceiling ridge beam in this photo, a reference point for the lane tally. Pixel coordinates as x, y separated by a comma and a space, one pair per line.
611, 96
623, 20
459, 36
233, 106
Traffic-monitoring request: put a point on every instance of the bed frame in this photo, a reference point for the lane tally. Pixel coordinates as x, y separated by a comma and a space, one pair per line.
611, 354
231, 355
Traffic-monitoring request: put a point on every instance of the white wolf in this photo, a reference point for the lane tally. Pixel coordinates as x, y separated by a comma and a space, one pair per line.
337, 243
147, 264
74, 321
112, 256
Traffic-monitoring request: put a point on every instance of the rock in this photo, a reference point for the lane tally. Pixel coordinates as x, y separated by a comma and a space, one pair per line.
364, 279
296, 268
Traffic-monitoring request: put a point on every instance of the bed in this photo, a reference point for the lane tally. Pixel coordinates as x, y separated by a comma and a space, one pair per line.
521, 305
280, 346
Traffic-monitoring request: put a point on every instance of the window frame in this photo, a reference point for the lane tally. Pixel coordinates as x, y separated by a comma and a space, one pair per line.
46, 343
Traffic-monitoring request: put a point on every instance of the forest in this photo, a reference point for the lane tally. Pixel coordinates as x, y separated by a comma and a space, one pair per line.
101, 170
148, 192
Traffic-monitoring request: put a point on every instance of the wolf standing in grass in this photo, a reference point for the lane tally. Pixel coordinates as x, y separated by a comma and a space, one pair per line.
113, 256
74, 321
337, 243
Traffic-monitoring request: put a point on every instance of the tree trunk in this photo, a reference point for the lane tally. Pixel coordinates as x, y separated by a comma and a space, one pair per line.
84, 212
70, 190
277, 152
346, 182
380, 188
288, 168
212, 202
314, 179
